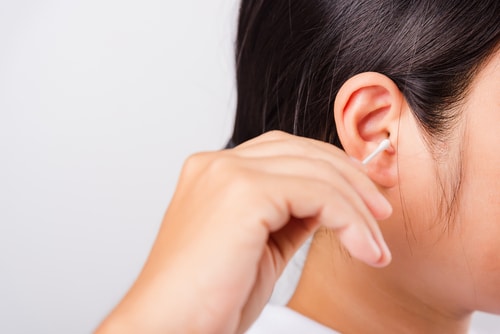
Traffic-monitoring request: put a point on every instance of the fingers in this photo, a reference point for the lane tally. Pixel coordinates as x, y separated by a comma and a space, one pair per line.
325, 171
277, 143
322, 204
322, 172
363, 246
267, 144
346, 200
287, 241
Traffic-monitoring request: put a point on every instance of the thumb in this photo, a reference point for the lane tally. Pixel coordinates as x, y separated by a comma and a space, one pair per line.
284, 243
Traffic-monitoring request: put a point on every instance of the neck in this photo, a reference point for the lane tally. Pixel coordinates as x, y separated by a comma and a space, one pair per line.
351, 297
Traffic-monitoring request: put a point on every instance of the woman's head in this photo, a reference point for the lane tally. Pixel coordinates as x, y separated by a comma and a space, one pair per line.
293, 57
423, 73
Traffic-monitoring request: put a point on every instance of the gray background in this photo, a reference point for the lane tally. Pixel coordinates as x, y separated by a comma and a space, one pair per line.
100, 103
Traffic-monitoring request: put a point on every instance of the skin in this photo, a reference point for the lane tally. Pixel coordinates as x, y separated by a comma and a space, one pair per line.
235, 220
237, 217
441, 270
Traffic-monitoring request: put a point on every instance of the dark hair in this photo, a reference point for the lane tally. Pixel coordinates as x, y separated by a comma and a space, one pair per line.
293, 56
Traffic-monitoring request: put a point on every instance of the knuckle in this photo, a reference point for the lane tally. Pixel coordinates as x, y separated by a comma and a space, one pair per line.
221, 165
194, 162
325, 167
230, 175
192, 167
222, 173
276, 135
330, 191
242, 181
325, 190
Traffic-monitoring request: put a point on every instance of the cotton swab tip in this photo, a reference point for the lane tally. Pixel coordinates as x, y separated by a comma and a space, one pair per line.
384, 145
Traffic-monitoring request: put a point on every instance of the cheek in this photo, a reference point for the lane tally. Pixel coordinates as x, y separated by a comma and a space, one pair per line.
479, 210
416, 197
480, 195
479, 217
481, 202
489, 260
481, 252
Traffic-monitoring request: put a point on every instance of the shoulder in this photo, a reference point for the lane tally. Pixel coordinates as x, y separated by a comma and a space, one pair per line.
280, 320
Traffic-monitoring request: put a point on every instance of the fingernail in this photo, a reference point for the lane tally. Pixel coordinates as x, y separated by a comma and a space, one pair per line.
387, 253
359, 241
376, 251
384, 204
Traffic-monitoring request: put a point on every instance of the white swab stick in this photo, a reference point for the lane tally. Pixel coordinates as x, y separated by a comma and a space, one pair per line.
384, 145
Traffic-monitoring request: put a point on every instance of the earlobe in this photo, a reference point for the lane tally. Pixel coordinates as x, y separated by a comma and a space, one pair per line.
367, 110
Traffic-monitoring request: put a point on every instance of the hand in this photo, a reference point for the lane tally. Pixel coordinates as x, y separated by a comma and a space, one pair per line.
234, 222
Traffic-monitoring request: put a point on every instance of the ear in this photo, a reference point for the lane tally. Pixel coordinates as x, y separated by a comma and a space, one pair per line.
367, 110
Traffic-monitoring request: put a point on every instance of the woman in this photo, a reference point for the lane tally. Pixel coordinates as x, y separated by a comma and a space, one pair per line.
341, 76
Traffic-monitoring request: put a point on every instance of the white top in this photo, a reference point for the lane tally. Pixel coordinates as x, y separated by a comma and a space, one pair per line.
276, 319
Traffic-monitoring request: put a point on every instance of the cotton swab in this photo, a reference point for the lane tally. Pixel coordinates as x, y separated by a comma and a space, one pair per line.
384, 145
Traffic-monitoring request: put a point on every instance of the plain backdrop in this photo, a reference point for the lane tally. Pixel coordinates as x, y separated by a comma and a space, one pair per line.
100, 103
